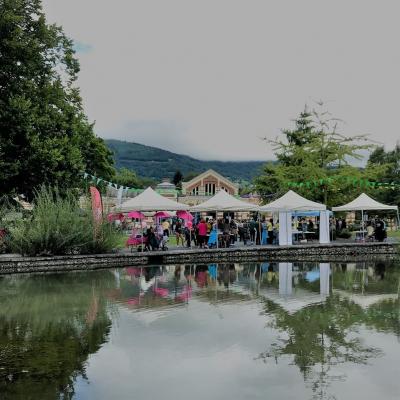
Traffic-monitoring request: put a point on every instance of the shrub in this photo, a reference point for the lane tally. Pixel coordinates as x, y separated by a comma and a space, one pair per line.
57, 226
344, 234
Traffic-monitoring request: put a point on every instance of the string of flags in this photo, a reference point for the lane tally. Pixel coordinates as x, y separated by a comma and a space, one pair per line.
366, 183
97, 181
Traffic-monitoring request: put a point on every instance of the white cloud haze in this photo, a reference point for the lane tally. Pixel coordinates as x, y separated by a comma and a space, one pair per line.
209, 78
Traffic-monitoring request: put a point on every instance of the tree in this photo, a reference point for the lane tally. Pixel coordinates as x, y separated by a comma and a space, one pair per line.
177, 179
314, 152
390, 163
126, 177
190, 175
45, 136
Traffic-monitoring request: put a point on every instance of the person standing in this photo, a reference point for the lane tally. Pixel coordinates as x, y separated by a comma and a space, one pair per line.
253, 229
379, 230
270, 229
179, 233
264, 230
202, 228
165, 226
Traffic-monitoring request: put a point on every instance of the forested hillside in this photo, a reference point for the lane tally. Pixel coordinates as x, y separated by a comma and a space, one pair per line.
156, 163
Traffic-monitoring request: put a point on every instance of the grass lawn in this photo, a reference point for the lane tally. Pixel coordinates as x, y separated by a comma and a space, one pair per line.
394, 234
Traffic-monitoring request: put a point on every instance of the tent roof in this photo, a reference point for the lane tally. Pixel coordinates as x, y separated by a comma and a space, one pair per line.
149, 200
292, 201
365, 203
223, 201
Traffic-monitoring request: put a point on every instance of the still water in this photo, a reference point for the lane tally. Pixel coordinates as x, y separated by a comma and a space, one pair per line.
227, 331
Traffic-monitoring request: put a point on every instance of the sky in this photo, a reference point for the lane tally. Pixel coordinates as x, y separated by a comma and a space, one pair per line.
210, 78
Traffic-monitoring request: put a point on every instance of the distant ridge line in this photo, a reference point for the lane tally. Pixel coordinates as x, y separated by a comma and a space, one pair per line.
156, 163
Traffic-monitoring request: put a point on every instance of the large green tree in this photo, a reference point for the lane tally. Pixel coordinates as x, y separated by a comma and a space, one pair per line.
390, 160
45, 136
314, 153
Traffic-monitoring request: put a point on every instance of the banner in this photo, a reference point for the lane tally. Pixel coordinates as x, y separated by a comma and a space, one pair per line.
97, 204
96, 180
345, 180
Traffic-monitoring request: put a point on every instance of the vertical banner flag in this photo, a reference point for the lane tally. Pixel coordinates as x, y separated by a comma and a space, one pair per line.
97, 205
119, 195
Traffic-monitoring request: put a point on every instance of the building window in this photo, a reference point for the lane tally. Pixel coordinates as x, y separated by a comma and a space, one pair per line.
210, 189
195, 191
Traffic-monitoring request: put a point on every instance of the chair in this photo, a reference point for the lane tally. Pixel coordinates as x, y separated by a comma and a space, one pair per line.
136, 240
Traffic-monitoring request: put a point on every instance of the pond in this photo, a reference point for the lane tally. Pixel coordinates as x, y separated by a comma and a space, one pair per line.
227, 331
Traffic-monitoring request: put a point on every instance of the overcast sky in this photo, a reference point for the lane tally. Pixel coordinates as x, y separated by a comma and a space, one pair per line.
208, 78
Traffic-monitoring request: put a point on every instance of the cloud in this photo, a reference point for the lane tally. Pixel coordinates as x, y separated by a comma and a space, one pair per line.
227, 72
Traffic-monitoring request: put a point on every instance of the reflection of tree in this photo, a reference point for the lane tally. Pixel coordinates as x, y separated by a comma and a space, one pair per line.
49, 325
319, 339
384, 316
371, 278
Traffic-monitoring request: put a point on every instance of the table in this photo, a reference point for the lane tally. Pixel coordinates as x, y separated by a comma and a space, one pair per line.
304, 234
361, 235
296, 234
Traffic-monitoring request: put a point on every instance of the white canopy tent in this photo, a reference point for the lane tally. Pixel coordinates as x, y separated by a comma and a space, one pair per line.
290, 202
223, 201
149, 200
365, 203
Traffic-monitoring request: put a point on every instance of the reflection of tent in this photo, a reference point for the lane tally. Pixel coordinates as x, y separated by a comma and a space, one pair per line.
366, 300
291, 304
223, 201
149, 200
312, 276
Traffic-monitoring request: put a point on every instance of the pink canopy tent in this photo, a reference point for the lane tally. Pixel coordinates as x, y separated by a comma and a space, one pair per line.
115, 217
136, 214
162, 214
184, 215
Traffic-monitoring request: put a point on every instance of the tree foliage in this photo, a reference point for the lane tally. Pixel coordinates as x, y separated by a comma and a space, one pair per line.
126, 177
45, 136
314, 151
390, 163
177, 179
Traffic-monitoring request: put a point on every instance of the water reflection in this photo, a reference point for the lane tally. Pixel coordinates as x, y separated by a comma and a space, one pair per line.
49, 325
321, 318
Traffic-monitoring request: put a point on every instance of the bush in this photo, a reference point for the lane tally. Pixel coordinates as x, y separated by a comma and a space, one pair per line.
344, 234
57, 226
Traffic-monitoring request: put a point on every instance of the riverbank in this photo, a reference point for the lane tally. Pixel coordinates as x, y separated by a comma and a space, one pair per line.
335, 252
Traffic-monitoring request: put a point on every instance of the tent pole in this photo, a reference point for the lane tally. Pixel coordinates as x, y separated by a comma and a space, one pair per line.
362, 225
216, 224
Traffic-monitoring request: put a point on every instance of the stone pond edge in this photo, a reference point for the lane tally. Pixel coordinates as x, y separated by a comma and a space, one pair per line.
311, 252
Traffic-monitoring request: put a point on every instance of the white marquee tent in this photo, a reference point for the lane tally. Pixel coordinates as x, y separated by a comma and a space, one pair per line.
292, 202
149, 200
364, 203
223, 201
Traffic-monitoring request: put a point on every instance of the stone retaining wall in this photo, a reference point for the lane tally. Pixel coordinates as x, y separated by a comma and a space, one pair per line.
322, 253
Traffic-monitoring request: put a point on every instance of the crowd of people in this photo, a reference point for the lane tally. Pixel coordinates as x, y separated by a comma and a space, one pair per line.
225, 232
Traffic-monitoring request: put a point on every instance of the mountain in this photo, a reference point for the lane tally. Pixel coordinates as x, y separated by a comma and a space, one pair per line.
156, 163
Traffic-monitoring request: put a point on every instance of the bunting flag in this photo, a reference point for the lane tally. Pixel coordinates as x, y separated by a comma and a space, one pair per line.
361, 182
97, 180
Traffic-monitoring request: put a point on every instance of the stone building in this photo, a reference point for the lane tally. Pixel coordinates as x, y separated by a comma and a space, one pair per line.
205, 185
